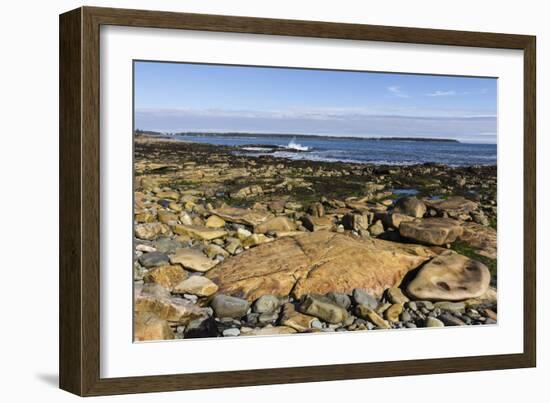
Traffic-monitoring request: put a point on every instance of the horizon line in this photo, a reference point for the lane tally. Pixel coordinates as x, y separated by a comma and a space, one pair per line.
341, 136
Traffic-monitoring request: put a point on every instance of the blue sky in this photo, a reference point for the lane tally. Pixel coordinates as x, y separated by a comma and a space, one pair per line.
174, 97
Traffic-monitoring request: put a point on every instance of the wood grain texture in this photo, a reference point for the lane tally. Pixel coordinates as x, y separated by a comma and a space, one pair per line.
80, 196
530, 203
70, 271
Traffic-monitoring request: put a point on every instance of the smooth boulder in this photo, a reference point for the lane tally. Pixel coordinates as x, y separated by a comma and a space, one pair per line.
450, 277
410, 206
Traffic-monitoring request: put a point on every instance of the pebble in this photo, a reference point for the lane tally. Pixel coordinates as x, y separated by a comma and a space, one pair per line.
405, 316
490, 314
268, 317
425, 304
227, 306
450, 320
383, 307
316, 324
361, 297
231, 332
451, 306
267, 304
396, 296
191, 297
145, 248
434, 322
340, 299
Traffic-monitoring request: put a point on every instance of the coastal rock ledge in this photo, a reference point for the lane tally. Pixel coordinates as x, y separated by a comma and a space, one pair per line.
318, 263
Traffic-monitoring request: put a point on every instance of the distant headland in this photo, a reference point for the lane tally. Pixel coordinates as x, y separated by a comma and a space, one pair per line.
297, 136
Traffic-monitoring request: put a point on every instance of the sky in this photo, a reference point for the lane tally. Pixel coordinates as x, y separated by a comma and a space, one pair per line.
186, 97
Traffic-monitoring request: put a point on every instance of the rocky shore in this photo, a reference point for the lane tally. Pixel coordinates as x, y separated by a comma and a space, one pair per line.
228, 244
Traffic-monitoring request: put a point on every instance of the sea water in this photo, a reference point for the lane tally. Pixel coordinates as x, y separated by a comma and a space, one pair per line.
355, 150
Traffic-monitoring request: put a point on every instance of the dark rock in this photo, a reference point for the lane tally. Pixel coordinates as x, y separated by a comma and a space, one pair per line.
410, 206
201, 328
154, 259
340, 299
167, 245
361, 297
226, 306
323, 308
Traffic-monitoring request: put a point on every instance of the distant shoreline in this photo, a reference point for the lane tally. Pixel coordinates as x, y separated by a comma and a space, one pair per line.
297, 136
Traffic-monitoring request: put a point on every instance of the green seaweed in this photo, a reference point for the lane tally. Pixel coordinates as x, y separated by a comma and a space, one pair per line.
466, 250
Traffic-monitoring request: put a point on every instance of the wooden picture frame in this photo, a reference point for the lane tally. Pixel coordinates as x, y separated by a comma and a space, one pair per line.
79, 347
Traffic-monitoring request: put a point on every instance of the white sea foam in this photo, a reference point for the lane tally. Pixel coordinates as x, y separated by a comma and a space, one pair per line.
296, 146
255, 148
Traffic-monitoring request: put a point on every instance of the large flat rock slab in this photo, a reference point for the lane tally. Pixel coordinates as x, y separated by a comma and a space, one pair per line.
482, 238
242, 215
317, 263
454, 205
431, 231
200, 232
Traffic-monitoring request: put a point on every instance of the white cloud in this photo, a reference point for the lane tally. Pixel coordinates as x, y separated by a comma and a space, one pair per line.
395, 90
441, 93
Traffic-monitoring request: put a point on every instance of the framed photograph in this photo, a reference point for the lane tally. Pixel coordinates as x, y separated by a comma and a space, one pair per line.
250, 201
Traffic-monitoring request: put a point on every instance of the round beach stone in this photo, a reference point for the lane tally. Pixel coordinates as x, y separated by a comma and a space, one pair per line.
450, 277
267, 304
231, 332
340, 299
434, 322
226, 306
361, 297
214, 222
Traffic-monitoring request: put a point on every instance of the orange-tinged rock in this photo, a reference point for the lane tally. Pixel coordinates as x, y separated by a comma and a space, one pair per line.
317, 263
175, 310
167, 276
450, 277
148, 326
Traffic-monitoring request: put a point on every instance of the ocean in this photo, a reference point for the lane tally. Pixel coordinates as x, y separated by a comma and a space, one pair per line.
332, 149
